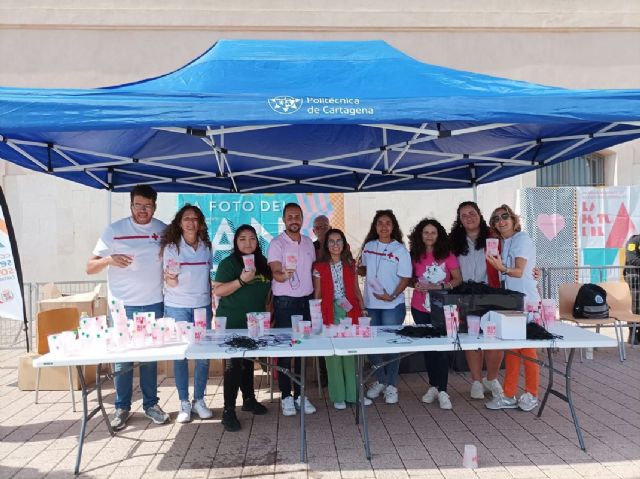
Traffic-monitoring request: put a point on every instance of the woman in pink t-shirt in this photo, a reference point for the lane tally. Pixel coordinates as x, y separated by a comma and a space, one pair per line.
434, 268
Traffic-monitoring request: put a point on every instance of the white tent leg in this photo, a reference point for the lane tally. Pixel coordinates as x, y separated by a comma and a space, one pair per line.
475, 193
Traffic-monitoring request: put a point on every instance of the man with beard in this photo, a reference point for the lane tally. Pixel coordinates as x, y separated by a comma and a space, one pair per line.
291, 255
130, 249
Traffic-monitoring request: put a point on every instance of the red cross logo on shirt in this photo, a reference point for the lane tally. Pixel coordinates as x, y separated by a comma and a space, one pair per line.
155, 236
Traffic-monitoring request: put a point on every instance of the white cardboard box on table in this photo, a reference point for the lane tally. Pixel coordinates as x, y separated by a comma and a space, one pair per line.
509, 324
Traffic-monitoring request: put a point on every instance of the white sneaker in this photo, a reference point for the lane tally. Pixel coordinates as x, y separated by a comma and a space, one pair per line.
493, 386
288, 406
184, 415
430, 395
527, 402
502, 402
444, 400
202, 410
391, 394
477, 390
308, 407
340, 405
375, 390
367, 402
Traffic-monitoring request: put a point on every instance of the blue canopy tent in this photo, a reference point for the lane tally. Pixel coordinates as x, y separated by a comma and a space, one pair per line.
299, 116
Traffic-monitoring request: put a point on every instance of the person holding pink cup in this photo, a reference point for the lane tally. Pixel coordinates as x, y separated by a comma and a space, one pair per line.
242, 291
186, 255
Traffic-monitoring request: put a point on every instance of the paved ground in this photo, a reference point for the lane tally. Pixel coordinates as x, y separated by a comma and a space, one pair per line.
409, 440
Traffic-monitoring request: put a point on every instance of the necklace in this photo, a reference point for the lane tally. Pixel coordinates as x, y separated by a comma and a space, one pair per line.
379, 255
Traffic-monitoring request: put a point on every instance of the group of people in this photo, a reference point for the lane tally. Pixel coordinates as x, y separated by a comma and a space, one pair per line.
165, 269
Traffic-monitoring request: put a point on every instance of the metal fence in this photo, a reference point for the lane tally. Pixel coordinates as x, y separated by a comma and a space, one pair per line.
11, 332
553, 277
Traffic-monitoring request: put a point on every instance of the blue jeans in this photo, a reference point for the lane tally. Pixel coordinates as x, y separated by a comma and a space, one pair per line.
284, 307
181, 367
148, 371
387, 374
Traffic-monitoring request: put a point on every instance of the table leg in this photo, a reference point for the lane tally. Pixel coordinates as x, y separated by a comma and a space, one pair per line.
361, 407
358, 389
303, 444
85, 419
566, 397
100, 402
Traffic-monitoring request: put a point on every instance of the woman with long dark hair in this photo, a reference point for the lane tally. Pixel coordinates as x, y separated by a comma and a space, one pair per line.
435, 268
515, 264
241, 291
469, 234
385, 262
335, 282
186, 255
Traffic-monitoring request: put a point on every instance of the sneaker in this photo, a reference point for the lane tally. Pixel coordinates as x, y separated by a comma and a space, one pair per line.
367, 402
527, 402
477, 390
230, 420
251, 405
375, 390
119, 419
493, 386
288, 406
430, 395
201, 409
444, 400
340, 405
156, 414
391, 394
502, 402
308, 407
184, 415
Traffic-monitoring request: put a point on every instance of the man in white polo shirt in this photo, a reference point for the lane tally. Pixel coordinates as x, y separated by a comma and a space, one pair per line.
130, 249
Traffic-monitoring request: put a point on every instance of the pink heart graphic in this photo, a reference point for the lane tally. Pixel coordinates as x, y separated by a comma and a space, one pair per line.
550, 225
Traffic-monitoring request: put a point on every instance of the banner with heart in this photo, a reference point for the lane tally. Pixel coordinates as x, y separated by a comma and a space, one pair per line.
550, 225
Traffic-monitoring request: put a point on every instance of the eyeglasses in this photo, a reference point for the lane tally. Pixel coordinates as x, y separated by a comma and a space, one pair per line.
337, 242
139, 207
503, 216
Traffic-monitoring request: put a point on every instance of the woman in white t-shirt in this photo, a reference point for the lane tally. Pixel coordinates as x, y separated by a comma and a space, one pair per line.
186, 257
386, 264
515, 264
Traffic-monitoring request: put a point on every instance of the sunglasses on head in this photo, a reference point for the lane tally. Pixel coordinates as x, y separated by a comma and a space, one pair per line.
503, 216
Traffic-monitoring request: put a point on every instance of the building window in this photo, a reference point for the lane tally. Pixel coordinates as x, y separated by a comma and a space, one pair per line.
587, 170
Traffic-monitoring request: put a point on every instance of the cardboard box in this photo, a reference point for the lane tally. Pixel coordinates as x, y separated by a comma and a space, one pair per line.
91, 303
51, 379
509, 324
216, 368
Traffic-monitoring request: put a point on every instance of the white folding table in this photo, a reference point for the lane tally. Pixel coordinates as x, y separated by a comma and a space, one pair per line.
160, 353
390, 343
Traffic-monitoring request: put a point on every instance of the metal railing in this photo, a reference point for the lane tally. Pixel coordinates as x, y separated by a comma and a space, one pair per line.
11, 332
553, 277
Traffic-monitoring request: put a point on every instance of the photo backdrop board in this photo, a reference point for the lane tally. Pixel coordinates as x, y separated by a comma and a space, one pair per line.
224, 212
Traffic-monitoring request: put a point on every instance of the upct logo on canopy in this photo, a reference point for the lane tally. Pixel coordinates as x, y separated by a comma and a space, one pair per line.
285, 105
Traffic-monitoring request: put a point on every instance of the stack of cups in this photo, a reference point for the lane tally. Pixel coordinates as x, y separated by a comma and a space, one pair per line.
305, 328
549, 311
200, 318
364, 327
296, 319
473, 325
220, 324
253, 325
315, 309
264, 322
181, 331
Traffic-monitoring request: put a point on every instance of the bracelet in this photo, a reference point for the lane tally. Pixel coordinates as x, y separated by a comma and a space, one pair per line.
242, 283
